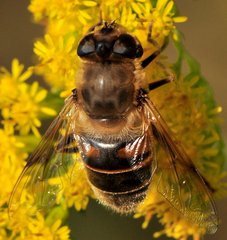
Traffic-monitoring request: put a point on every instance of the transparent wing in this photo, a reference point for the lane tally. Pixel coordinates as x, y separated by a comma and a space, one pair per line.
49, 163
178, 179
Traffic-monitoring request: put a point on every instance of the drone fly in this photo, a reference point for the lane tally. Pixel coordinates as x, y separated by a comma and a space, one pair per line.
111, 126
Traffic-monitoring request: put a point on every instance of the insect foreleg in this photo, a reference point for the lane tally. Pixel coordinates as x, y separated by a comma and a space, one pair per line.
159, 83
150, 58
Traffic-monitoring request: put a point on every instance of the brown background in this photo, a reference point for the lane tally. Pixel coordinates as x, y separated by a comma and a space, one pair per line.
205, 37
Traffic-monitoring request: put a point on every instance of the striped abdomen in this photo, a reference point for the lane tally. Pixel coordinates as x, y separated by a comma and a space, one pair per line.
119, 172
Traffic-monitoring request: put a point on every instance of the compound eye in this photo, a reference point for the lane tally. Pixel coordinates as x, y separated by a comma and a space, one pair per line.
127, 46
86, 46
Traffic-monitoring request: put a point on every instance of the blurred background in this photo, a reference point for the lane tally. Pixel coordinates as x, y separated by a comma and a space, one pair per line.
205, 35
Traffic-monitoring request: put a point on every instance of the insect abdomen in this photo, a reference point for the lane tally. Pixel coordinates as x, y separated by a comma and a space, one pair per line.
118, 172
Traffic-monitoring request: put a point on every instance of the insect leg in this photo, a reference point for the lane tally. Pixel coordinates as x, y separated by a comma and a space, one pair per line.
169, 78
159, 83
150, 58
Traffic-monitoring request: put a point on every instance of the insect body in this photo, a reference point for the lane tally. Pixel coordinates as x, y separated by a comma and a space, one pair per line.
113, 142
113, 125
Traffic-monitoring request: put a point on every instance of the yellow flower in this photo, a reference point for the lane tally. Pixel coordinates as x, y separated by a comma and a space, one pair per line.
76, 191
137, 16
9, 82
175, 224
163, 19
11, 150
22, 106
38, 230
58, 60
26, 222
26, 109
122, 11
4, 221
25, 225
59, 9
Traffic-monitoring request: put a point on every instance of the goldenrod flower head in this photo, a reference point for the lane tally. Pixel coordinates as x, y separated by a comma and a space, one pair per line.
10, 150
22, 106
4, 221
58, 58
26, 226
11, 81
175, 225
38, 227
77, 191
163, 18
136, 16
59, 9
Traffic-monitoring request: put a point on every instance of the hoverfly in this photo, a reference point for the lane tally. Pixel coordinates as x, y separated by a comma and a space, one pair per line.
112, 125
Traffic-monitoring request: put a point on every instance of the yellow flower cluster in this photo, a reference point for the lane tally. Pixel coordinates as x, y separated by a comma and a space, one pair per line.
136, 16
174, 225
20, 101
11, 149
77, 191
36, 228
23, 105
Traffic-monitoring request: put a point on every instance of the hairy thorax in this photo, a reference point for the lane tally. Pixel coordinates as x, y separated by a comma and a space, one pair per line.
107, 90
